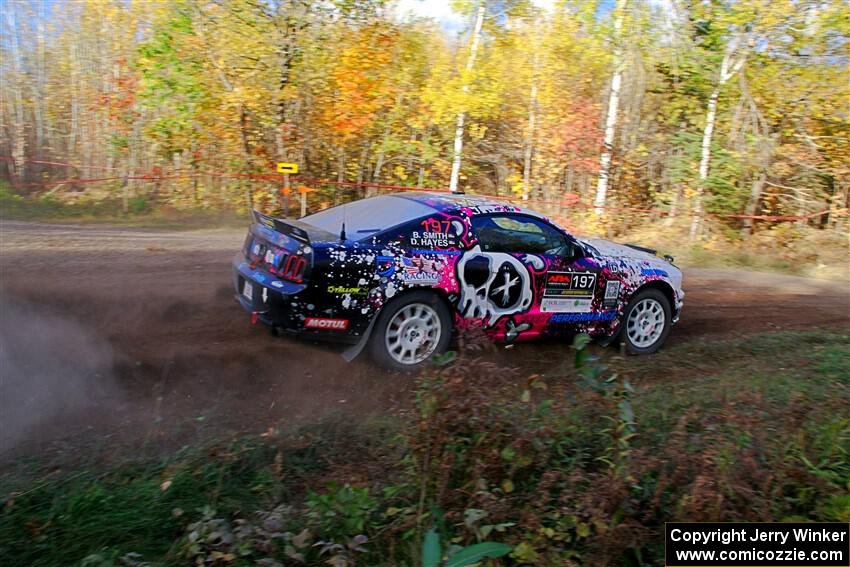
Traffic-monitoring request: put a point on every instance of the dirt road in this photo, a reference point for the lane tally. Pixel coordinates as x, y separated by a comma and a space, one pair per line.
121, 335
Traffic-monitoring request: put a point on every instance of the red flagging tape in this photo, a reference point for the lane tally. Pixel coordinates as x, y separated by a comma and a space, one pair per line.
571, 201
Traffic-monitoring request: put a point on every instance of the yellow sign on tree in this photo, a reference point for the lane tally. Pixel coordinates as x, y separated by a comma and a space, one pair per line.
287, 167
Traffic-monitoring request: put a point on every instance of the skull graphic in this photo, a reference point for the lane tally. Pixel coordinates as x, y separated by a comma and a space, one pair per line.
492, 284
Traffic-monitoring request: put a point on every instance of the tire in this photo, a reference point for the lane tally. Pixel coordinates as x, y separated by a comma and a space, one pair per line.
646, 322
399, 339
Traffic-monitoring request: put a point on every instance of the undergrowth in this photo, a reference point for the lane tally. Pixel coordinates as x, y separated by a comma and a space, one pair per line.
580, 466
139, 211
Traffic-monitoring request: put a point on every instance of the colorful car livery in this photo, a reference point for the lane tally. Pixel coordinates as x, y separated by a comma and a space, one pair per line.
398, 273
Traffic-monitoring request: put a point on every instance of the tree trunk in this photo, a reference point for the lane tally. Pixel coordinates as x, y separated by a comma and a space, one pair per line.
379, 163
705, 158
458, 145
340, 174
18, 142
611, 118
753, 202
40, 137
529, 138
72, 138
246, 149
362, 172
426, 138
732, 62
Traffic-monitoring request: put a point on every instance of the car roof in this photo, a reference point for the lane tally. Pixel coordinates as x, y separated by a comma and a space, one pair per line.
368, 216
466, 205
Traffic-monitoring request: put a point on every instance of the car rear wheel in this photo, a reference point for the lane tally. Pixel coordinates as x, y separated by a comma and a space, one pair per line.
410, 330
646, 322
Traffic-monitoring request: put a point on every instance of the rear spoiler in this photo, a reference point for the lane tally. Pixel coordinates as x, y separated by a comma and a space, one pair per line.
650, 251
296, 229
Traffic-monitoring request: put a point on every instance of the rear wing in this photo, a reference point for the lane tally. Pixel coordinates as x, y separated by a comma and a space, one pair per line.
296, 229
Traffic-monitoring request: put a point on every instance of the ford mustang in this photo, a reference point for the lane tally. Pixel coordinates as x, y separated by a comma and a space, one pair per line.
397, 274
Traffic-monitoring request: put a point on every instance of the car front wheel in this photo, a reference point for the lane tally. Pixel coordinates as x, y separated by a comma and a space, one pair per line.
646, 322
410, 330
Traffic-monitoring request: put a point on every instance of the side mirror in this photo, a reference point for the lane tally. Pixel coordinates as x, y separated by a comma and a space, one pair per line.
574, 250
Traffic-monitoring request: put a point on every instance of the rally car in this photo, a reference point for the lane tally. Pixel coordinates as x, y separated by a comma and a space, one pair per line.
398, 273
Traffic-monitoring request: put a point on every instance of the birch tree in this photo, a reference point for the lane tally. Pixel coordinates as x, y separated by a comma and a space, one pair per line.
470, 61
532, 117
19, 139
734, 57
611, 115
536, 101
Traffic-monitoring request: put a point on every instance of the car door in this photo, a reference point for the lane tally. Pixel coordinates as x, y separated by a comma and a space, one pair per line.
523, 271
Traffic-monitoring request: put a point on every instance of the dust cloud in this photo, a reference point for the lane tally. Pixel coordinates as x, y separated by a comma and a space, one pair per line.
51, 369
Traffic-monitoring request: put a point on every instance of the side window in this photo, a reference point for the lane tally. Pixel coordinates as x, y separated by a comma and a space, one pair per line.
519, 234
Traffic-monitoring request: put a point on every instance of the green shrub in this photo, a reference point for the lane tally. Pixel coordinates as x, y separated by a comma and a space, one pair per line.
341, 511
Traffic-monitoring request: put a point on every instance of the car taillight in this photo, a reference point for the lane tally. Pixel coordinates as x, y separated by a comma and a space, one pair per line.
294, 268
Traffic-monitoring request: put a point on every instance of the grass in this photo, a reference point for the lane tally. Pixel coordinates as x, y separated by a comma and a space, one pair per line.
66, 519
110, 211
773, 369
775, 402
143, 507
785, 248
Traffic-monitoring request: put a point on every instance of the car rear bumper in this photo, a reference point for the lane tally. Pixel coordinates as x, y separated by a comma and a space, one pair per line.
273, 302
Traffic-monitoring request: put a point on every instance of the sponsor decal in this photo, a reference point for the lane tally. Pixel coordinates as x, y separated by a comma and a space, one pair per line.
326, 324
612, 293
570, 284
276, 283
436, 226
514, 330
385, 266
271, 257
434, 234
535, 262
443, 252
492, 284
476, 208
339, 289
614, 267
565, 305
653, 272
580, 317
419, 270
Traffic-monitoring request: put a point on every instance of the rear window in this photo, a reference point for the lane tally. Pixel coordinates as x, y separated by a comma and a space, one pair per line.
367, 217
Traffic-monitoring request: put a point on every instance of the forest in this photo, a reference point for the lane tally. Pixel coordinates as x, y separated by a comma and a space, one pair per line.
710, 112
145, 422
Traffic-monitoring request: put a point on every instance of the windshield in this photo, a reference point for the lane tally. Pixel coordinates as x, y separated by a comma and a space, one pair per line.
368, 216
